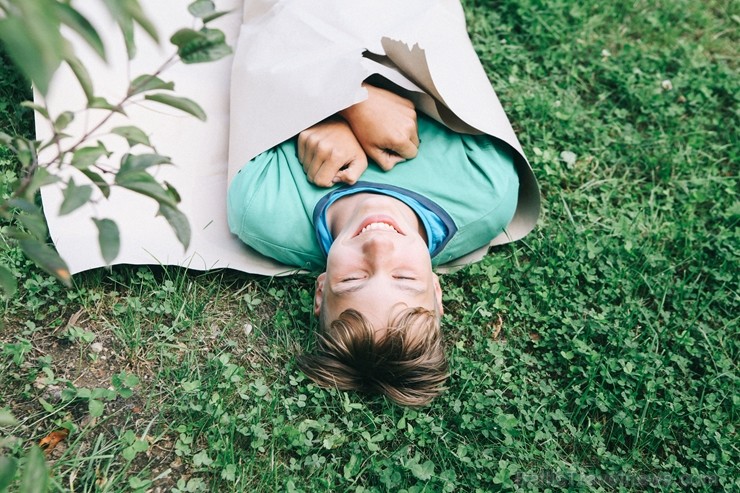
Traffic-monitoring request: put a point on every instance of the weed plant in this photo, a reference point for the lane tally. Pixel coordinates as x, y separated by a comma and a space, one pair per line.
598, 354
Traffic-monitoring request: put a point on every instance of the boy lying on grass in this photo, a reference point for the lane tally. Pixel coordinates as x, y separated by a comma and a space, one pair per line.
376, 239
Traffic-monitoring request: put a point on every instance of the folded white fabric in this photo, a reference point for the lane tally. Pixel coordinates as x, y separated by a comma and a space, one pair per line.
295, 63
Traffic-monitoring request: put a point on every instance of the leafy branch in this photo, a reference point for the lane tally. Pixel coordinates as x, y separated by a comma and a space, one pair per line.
30, 31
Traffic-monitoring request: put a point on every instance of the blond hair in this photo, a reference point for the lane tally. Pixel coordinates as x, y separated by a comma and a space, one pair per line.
405, 362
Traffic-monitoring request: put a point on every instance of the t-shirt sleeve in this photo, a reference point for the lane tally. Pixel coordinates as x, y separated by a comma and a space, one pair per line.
269, 207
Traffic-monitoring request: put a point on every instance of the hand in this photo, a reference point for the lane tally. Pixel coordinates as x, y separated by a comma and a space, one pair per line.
385, 126
330, 153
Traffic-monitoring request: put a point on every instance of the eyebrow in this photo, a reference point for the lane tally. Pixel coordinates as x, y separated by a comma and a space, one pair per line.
357, 287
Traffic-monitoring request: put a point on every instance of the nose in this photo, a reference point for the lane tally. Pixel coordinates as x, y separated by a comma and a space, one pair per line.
378, 247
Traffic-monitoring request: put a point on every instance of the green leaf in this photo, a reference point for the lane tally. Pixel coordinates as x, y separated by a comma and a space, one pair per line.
63, 120
6, 139
185, 36
81, 73
25, 151
143, 183
172, 191
34, 222
423, 472
178, 222
37, 108
99, 103
145, 83
140, 445
84, 157
215, 15
41, 178
125, 13
9, 286
129, 453
206, 45
8, 468
133, 135
35, 477
74, 197
127, 29
201, 8
134, 9
7, 418
140, 162
108, 238
98, 181
180, 103
47, 258
23, 205
31, 37
95, 408
72, 18
48, 407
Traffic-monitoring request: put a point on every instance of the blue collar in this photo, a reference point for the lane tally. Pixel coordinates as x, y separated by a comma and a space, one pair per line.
439, 226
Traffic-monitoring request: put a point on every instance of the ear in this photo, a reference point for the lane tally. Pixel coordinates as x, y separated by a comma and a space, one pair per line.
318, 296
438, 294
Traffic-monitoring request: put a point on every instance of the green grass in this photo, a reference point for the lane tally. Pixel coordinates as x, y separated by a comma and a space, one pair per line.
598, 354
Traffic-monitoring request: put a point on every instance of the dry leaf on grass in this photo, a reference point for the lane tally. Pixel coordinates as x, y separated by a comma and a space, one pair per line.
52, 439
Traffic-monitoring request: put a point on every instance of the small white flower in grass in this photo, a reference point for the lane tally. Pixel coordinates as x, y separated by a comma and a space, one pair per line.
605, 53
666, 85
247, 328
569, 157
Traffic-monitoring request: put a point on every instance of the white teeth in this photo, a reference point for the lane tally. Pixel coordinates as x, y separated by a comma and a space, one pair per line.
378, 226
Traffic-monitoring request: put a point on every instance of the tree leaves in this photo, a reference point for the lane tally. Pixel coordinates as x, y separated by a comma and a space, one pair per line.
84, 157
108, 239
81, 73
180, 103
201, 8
141, 182
178, 221
35, 476
98, 181
133, 135
47, 258
33, 40
31, 31
205, 45
127, 13
140, 162
63, 120
145, 83
74, 197
205, 10
8, 284
73, 19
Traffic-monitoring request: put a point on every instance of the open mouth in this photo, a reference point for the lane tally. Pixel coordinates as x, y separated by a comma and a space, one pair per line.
378, 223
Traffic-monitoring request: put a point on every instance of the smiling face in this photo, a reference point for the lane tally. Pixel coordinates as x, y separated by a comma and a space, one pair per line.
379, 263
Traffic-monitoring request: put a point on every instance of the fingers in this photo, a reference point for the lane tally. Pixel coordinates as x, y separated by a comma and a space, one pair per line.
325, 166
330, 153
351, 172
306, 148
388, 157
409, 148
333, 170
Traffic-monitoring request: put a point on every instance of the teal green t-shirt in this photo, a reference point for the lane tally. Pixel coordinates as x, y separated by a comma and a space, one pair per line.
270, 202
